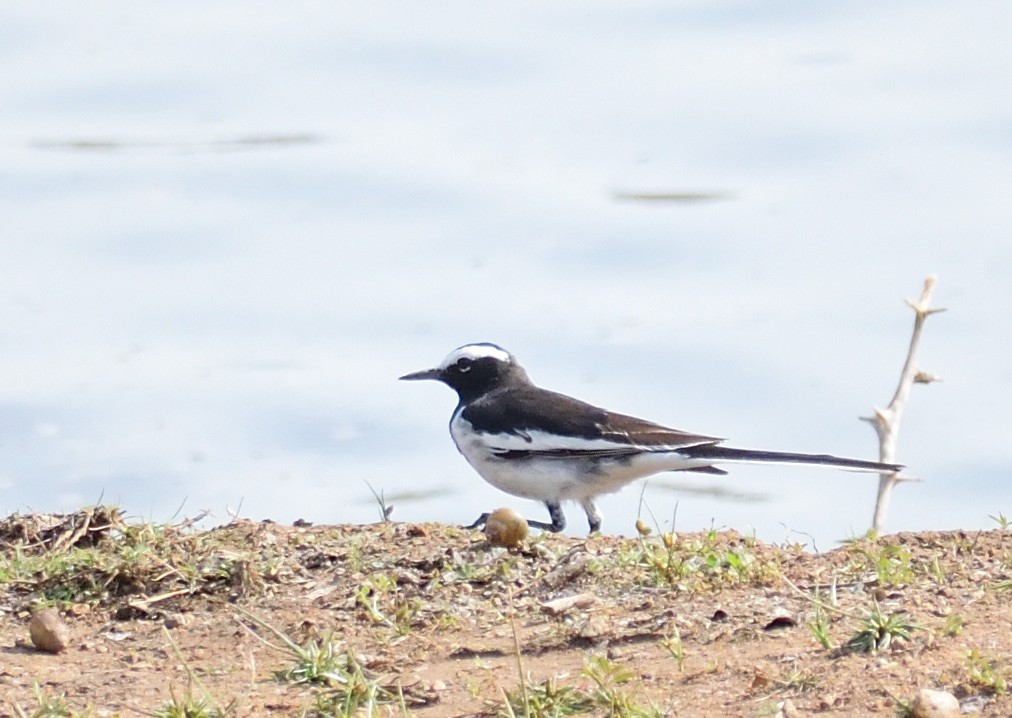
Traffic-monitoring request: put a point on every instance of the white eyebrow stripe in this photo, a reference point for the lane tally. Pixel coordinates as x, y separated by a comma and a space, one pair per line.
475, 351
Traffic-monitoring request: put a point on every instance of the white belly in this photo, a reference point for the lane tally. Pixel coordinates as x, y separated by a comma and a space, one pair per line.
556, 479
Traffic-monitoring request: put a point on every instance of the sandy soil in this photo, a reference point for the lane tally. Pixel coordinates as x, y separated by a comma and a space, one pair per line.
438, 623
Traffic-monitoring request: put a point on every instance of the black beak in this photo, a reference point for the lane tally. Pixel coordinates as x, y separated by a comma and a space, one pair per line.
424, 374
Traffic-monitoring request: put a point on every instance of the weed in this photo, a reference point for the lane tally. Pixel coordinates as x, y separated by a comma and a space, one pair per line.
474, 686
547, 700
989, 674
367, 596
879, 630
935, 572
694, 562
401, 615
1003, 585
94, 556
819, 626
384, 508
483, 568
186, 707
798, 680
953, 625
610, 679
446, 620
673, 644
465, 571
324, 662
905, 709
319, 661
351, 700
1002, 521
891, 563
50, 706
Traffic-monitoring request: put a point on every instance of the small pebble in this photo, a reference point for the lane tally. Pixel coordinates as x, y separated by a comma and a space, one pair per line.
48, 631
786, 709
78, 609
175, 620
935, 704
506, 528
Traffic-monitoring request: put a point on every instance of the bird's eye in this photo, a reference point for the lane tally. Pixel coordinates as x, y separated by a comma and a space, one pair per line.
464, 366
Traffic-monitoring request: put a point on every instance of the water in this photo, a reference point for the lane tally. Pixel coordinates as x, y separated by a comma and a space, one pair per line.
225, 229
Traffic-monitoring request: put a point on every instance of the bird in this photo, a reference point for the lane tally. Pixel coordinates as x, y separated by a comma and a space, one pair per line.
539, 444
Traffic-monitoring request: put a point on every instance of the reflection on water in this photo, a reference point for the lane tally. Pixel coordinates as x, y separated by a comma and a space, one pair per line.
673, 197
718, 492
187, 146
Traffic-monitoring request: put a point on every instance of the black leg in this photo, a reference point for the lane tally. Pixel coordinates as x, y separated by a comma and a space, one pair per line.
554, 512
480, 523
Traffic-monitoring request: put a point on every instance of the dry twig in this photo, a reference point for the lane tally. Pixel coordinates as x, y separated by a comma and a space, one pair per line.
887, 421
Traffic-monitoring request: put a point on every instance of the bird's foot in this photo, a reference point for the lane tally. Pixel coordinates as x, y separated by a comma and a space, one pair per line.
479, 523
555, 527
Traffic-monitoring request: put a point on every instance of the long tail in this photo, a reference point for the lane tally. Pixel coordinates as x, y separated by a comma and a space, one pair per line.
726, 453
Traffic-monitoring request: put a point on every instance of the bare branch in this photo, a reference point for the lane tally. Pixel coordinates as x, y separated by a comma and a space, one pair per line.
887, 421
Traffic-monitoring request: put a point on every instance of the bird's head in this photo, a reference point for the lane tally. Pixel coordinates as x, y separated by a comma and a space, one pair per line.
474, 369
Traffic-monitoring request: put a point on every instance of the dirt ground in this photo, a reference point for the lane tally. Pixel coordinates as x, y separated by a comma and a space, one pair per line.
429, 620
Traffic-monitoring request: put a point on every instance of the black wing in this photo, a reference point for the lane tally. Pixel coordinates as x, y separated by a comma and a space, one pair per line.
538, 417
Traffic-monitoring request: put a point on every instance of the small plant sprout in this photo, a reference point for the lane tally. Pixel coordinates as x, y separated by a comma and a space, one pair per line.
385, 509
905, 708
1002, 520
989, 674
611, 692
819, 625
798, 680
878, 631
204, 706
48, 706
326, 663
673, 644
186, 706
953, 625
549, 699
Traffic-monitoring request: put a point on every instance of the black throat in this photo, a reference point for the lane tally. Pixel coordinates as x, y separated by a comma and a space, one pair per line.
476, 378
